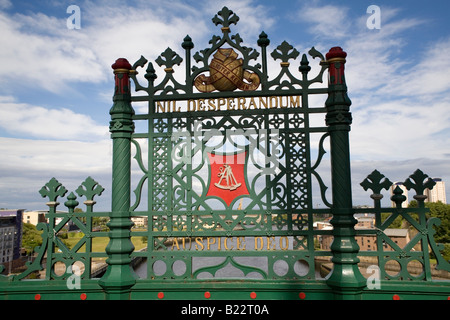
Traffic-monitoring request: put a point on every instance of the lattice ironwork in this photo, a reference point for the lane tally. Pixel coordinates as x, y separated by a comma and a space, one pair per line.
229, 110
55, 260
228, 173
409, 260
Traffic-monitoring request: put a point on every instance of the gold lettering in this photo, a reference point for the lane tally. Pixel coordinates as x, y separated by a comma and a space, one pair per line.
200, 105
226, 245
270, 243
211, 105
241, 104
286, 241
252, 103
160, 107
281, 102
184, 243
261, 243
199, 241
239, 241
221, 103
208, 242
295, 103
272, 105
193, 108
174, 106
262, 102
218, 243
230, 104
175, 243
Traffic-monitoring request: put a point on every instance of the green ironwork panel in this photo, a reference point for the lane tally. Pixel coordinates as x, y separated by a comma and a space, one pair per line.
273, 212
55, 259
228, 180
402, 256
230, 163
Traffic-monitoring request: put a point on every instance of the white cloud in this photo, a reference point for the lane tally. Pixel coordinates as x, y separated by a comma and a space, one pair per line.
397, 112
39, 50
395, 118
51, 156
26, 165
330, 22
400, 129
399, 100
429, 76
39, 122
5, 4
376, 56
51, 60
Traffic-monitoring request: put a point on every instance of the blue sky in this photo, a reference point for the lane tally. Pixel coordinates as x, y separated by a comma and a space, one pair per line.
56, 84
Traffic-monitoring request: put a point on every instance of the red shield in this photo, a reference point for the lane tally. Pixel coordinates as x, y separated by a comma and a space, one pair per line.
227, 179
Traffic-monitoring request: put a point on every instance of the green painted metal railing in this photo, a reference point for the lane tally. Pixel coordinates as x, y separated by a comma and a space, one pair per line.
258, 242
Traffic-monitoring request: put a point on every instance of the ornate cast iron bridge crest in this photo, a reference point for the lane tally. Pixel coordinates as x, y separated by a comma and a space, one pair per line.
231, 169
227, 74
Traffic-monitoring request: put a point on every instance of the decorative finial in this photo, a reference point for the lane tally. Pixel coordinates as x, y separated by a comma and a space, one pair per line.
285, 52
263, 40
121, 66
187, 43
336, 53
169, 58
228, 18
304, 65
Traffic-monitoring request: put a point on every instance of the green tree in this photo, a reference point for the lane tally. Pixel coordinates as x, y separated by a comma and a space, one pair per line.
396, 224
31, 238
442, 211
438, 210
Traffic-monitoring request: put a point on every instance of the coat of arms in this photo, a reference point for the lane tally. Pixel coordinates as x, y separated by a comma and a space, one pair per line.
227, 74
227, 177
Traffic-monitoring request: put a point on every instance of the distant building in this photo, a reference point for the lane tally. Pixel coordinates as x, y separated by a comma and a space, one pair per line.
34, 217
140, 221
369, 242
10, 235
437, 193
366, 221
366, 242
405, 193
